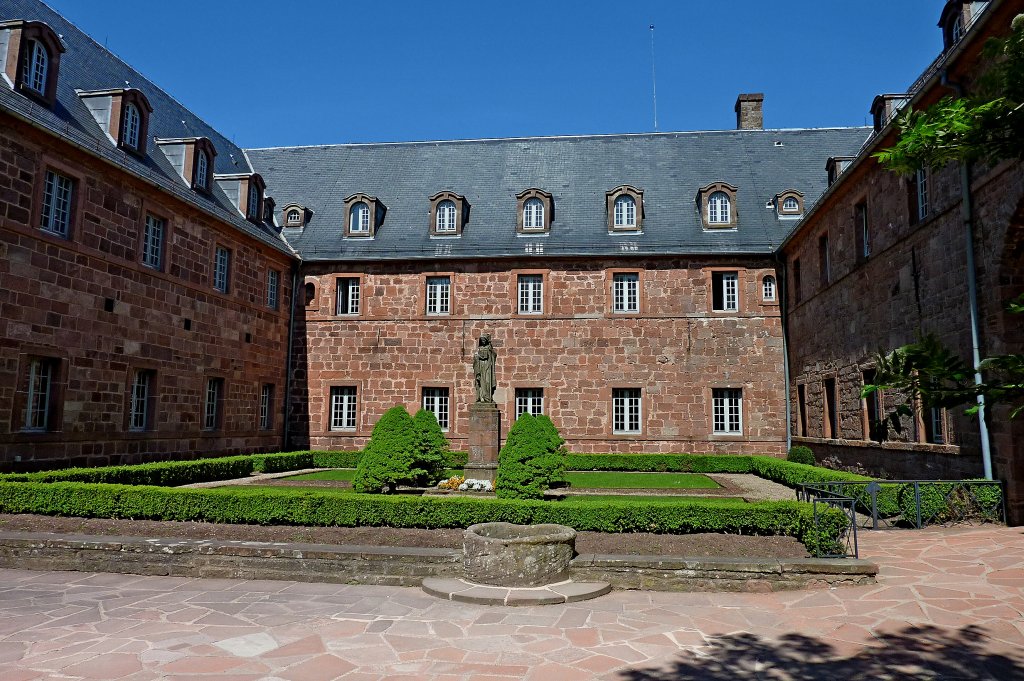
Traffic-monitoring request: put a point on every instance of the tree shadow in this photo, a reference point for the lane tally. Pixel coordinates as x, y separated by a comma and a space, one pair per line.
914, 652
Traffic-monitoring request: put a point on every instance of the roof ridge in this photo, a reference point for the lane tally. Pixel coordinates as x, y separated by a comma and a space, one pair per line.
553, 137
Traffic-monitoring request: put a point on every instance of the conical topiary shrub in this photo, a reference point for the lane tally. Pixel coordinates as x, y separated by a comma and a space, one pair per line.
431, 448
388, 458
531, 460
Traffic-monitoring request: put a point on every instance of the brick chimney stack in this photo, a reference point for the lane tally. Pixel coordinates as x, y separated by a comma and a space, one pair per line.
749, 113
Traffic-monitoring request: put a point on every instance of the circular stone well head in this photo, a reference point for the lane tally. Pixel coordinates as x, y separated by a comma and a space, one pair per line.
503, 554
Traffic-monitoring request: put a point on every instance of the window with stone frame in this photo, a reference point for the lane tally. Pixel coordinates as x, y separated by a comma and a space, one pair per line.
626, 411
293, 218
626, 292
535, 210
213, 404
363, 214
727, 411
42, 395
201, 179
267, 406
438, 294
436, 400
141, 401
725, 291
448, 211
768, 289
874, 426
624, 205
221, 269
57, 206
273, 288
824, 260
348, 297
344, 407
529, 401
131, 126
153, 239
530, 293
789, 204
862, 230
717, 203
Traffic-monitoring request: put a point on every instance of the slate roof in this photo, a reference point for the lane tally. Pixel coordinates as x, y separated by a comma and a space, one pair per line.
86, 65
577, 171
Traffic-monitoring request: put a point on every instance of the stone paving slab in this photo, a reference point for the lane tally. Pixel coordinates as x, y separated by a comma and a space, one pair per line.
949, 604
482, 594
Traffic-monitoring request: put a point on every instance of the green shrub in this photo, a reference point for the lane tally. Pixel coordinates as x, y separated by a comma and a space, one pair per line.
944, 502
531, 460
801, 454
431, 447
388, 459
658, 463
340, 459
291, 506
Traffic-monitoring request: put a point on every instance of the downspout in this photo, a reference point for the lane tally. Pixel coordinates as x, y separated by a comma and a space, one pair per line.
288, 362
783, 283
967, 213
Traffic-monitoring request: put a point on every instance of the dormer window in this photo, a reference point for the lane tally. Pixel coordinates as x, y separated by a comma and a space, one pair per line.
245, 191
625, 206
957, 16
789, 204
130, 126
359, 219
362, 215
885, 107
122, 114
835, 166
718, 205
293, 218
30, 57
268, 210
202, 176
535, 208
35, 66
252, 210
448, 211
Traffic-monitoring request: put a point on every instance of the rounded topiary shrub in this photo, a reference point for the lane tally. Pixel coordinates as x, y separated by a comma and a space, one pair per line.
801, 454
531, 460
389, 457
431, 455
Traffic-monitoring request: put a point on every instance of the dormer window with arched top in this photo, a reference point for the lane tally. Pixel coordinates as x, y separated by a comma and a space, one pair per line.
956, 17
447, 214
625, 206
30, 56
535, 212
363, 215
717, 203
122, 114
245, 191
252, 210
295, 216
201, 179
789, 204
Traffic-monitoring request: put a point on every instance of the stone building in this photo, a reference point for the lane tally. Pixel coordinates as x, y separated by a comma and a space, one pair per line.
635, 286
881, 259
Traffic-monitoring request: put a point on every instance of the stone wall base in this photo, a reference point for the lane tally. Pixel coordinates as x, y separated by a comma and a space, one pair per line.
400, 566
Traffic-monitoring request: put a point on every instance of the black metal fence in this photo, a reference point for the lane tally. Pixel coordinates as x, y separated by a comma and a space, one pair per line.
910, 504
819, 497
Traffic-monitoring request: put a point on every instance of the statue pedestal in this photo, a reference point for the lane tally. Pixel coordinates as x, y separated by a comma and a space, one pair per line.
484, 441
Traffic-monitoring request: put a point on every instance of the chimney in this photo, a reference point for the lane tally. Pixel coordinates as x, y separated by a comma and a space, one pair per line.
749, 115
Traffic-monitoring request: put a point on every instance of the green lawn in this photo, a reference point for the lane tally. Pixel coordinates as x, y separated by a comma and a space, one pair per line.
618, 480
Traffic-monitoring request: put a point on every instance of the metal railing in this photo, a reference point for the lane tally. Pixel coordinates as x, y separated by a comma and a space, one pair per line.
917, 503
818, 497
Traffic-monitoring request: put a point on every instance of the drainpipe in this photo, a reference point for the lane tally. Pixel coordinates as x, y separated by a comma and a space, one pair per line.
967, 213
288, 361
782, 282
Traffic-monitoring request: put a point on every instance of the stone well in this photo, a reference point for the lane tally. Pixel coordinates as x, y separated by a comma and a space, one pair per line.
503, 554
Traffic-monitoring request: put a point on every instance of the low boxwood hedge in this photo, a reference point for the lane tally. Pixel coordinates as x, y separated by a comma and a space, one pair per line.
289, 506
658, 463
350, 459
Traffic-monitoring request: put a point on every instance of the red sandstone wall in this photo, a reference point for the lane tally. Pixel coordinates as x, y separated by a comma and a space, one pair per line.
52, 295
676, 350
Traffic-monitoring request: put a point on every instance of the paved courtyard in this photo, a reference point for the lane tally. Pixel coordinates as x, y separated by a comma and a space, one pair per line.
949, 605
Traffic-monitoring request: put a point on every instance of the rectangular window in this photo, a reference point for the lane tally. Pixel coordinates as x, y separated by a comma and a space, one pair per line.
273, 286
531, 294
436, 400
56, 213
801, 398
141, 411
153, 243
348, 296
344, 407
831, 424
212, 405
267, 406
725, 291
872, 408
625, 292
860, 220
439, 294
921, 193
935, 426
39, 408
529, 400
626, 410
727, 411
824, 261
221, 269
797, 293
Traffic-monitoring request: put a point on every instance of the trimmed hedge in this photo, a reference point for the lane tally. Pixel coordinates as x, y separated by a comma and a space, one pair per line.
658, 463
173, 473
289, 506
801, 454
350, 459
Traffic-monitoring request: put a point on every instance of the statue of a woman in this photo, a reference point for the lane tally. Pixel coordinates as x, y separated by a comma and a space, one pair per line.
483, 370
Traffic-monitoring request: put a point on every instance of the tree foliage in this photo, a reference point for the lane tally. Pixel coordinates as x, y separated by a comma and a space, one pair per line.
986, 125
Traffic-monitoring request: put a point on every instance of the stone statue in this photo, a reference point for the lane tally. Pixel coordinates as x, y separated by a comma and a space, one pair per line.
483, 370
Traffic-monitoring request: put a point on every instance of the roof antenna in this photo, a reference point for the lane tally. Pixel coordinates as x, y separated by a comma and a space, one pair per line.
654, 82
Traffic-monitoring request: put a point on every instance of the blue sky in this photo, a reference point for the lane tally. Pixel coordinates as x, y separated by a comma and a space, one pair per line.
268, 73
